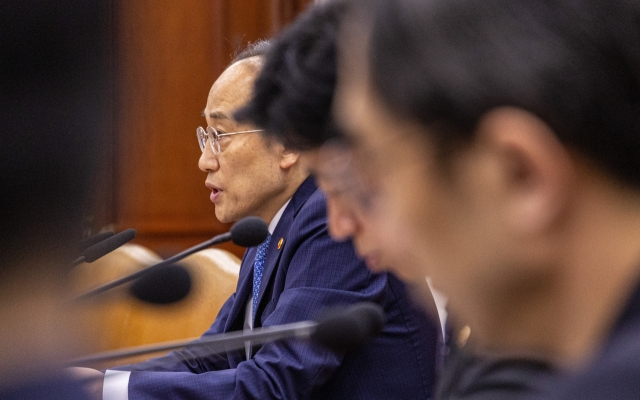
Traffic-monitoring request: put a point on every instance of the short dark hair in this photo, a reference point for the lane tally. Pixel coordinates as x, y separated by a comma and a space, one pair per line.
575, 64
294, 92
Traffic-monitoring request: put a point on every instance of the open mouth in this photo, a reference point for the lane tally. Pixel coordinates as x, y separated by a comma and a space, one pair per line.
215, 195
215, 192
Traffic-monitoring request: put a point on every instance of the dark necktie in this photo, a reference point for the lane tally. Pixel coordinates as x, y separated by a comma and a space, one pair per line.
258, 265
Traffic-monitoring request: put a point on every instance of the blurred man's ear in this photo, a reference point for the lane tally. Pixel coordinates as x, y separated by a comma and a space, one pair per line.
289, 158
534, 169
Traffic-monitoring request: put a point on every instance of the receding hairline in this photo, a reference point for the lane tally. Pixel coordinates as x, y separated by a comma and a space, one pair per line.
254, 62
259, 48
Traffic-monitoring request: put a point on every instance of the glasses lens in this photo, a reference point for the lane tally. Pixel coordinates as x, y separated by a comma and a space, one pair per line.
215, 144
337, 171
202, 138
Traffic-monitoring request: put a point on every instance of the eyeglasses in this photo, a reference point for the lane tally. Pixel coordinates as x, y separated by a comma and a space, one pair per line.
212, 134
339, 176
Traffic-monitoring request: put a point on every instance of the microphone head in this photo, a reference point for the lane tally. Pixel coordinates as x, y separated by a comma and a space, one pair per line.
347, 329
108, 245
164, 284
249, 232
91, 240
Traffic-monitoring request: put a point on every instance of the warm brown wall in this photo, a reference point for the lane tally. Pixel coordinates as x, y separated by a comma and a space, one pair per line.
166, 56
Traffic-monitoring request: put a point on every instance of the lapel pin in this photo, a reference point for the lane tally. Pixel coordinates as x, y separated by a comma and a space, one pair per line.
280, 243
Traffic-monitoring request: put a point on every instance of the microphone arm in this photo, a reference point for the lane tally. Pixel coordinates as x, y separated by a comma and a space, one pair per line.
102, 244
215, 343
77, 261
225, 237
95, 239
338, 329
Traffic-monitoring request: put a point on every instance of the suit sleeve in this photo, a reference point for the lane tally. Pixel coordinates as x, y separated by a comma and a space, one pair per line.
319, 273
195, 360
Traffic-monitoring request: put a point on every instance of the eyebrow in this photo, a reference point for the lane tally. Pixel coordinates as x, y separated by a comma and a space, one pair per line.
217, 115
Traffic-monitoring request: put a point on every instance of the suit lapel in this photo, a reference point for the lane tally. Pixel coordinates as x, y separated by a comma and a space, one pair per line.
273, 257
244, 291
273, 252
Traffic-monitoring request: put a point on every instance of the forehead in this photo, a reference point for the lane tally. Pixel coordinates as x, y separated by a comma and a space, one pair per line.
380, 139
234, 87
353, 89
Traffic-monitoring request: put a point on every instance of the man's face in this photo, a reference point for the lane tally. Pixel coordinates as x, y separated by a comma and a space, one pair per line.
437, 215
351, 213
246, 178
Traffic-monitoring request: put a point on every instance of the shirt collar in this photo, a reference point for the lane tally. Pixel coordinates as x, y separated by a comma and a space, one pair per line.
276, 218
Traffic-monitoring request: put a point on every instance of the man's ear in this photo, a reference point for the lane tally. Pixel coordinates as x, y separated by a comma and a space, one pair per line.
289, 158
536, 171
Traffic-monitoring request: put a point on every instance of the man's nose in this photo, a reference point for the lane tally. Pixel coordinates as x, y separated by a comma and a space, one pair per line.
342, 224
208, 161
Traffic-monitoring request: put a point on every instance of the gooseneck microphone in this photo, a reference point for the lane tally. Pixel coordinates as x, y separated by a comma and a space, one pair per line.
338, 330
91, 240
347, 329
105, 246
248, 232
164, 285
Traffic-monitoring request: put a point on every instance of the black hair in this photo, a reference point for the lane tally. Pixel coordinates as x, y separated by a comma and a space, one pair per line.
294, 91
573, 63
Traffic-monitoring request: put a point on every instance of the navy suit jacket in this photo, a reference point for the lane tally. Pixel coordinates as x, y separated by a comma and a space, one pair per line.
467, 376
615, 372
307, 274
58, 387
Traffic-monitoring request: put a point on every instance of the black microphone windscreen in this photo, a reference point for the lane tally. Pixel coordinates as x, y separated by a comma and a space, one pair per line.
162, 285
349, 328
108, 245
91, 240
249, 232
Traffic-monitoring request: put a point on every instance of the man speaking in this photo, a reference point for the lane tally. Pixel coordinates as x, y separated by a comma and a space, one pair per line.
295, 274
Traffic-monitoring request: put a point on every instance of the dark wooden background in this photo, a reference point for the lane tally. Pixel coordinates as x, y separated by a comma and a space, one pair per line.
165, 57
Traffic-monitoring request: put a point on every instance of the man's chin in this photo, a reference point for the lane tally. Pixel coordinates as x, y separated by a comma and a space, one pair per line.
223, 217
228, 218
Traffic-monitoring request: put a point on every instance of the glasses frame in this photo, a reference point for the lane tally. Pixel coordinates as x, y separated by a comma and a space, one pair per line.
338, 168
211, 133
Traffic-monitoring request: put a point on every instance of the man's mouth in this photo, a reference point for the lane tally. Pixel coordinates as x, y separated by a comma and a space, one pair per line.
216, 192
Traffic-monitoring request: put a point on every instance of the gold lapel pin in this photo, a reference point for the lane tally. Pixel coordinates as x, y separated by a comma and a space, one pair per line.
280, 243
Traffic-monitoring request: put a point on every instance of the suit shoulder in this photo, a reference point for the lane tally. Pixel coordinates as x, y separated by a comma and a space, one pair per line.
316, 202
610, 374
313, 212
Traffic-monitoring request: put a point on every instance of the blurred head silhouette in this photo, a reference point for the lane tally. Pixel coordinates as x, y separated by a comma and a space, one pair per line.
502, 142
54, 120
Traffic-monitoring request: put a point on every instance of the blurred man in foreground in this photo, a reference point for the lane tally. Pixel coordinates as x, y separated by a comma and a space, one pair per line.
293, 276
292, 98
503, 140
54, 116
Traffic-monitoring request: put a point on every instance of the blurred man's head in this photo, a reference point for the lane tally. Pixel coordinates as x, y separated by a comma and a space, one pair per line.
492, 133
53, 108
55, 118
248, 173
292, 101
